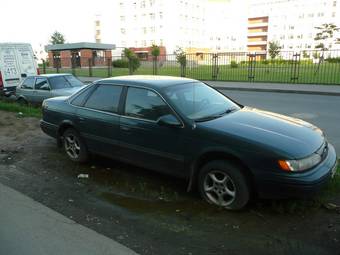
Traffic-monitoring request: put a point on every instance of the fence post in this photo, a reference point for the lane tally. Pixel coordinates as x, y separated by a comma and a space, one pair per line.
73, 66
295, 67
90, 67
251, 66
44, 66
154, 65
214, 66
130, 66
109, 67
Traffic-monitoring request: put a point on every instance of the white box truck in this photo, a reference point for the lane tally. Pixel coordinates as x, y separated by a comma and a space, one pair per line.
16, 62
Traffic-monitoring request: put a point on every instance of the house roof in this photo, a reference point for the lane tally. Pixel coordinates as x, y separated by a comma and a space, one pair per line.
80, 45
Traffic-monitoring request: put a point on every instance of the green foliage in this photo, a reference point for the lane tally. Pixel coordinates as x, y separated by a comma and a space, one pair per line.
333, 60
57, 38
325, 36
274, 49
233, 64
180, 56
134, 62
120, 63
305, 54
155, 50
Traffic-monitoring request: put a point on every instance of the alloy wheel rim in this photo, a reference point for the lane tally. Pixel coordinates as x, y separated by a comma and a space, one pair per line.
219, 188
72, 146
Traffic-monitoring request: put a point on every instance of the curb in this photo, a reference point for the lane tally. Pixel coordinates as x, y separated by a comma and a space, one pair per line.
324, 93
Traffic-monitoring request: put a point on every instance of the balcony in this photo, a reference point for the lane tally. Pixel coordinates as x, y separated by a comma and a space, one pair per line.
257, 43
250, 34
260, 24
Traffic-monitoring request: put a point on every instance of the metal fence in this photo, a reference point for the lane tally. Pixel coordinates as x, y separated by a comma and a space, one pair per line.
313, 67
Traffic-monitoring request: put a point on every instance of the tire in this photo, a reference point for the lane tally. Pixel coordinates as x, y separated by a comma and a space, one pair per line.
223, 184
22, 101
74, 146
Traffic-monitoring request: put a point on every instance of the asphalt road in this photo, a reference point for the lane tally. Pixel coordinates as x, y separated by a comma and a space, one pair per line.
323, 111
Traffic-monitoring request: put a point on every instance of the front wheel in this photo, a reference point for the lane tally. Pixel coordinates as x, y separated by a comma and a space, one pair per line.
223, 184
74, 146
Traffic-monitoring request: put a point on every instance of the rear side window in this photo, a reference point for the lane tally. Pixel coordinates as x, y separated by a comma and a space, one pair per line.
105, 98
41, 84
145, 104
79, 99
28, 83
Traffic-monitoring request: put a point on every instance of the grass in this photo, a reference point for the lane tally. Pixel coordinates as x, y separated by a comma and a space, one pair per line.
26, 111
329, 73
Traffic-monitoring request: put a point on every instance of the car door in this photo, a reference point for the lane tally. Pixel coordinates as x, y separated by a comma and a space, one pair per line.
41, 90
26, 89
97, 119
143, 140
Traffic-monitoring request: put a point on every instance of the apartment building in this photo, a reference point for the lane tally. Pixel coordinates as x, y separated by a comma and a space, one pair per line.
290, 22
218, 25
162, 22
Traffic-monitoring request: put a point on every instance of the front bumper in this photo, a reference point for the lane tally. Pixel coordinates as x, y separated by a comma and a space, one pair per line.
49, 129
301, 185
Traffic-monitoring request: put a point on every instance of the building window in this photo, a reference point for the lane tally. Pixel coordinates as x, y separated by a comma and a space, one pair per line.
122, 18
97, 23
152, 2
333, 14
161, 15
334, 3
144, 43
152, 29
122, 30
142, 4
144, 30
152, 16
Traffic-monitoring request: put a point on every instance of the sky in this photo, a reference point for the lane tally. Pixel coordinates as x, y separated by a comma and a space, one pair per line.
33, 21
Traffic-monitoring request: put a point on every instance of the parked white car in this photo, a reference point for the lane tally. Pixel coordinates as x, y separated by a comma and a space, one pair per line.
16, 63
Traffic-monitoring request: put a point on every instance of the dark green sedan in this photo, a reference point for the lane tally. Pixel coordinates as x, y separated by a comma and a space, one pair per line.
185, 128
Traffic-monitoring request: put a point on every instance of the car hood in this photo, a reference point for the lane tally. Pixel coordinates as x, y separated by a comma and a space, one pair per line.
285, 135
66, 92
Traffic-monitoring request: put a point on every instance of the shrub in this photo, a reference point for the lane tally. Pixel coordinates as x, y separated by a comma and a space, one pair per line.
120, 63
333, 60
233, 64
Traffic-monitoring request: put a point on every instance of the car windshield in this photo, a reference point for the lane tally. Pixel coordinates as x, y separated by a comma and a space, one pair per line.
199, 102
63, 82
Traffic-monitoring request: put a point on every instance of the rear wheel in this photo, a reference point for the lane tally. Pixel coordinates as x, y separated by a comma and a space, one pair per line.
22, 101
223, 184
74, 146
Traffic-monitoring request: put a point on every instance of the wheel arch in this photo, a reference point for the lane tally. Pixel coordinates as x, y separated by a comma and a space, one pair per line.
216, 154
64, 125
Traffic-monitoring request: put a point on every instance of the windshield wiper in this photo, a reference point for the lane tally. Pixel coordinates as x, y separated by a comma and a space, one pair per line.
215, 116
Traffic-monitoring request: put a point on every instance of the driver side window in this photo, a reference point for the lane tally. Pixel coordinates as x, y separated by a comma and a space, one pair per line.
145, 104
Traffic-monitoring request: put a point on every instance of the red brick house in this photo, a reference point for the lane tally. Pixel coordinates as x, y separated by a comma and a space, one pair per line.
80, 54
145, 53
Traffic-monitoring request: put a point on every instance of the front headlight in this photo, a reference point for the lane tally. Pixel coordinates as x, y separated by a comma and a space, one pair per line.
300, 164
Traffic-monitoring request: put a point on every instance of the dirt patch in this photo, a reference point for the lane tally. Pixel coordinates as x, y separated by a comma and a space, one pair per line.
149, 212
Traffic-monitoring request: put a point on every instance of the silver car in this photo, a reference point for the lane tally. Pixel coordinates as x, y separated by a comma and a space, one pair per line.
35, 89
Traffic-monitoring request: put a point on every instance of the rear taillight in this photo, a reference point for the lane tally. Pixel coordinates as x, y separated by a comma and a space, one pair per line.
1, 82
38, 71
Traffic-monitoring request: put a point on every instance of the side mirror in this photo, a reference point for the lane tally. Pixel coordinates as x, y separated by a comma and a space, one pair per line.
169, 120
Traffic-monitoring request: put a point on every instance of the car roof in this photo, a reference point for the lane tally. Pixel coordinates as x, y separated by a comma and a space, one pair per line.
151, 81
49, 75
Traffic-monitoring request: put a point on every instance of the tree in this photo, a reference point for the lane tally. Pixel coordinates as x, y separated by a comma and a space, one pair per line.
155, 52
325, 36
57, 38
134, 62
325, 40
181, 59
274, 49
